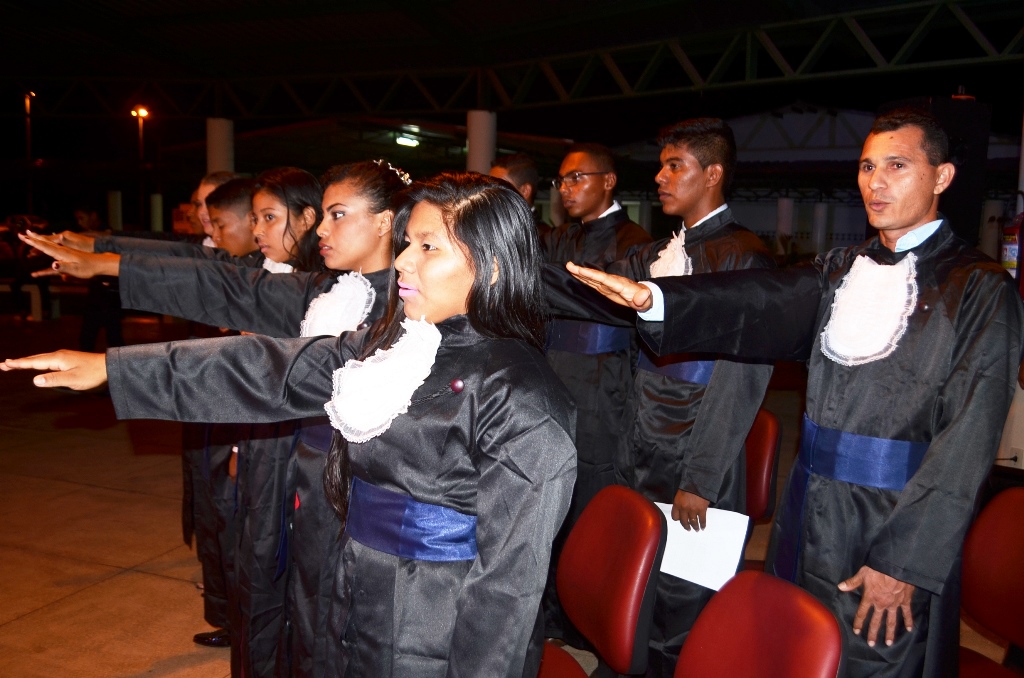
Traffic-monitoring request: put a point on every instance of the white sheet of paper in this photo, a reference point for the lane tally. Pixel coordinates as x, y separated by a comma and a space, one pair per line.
709, 557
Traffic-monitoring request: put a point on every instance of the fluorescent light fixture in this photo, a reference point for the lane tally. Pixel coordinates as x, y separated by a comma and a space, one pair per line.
407, 141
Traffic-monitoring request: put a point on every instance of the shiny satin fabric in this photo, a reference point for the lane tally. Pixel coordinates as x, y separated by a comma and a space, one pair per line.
599, 382
948, 383
690, 421
501, 449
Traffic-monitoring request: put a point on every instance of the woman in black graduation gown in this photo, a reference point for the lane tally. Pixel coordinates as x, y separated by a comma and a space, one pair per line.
359, 202
457, 437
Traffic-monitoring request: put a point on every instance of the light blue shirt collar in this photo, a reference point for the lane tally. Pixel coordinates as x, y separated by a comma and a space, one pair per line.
917, 236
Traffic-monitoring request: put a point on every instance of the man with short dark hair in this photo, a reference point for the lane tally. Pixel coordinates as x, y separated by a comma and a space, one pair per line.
594, 360
520, 170
230, 209
913, 339
692, 413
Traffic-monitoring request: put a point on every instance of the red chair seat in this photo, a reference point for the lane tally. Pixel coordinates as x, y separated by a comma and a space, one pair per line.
557, 663
759, 626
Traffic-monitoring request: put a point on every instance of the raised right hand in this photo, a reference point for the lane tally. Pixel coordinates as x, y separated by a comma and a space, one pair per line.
70, 369
77, 263
622, 291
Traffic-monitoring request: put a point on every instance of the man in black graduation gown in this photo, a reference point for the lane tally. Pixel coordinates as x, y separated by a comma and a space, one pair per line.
912, 339
692, 412
593, 360
520, 170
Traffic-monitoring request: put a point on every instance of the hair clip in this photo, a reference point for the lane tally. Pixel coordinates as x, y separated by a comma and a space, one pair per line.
402, 176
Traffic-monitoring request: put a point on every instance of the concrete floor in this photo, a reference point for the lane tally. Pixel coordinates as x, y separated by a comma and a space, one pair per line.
94, 578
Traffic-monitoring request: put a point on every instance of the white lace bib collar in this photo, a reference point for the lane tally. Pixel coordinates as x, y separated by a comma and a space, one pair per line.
340, 309
673, 259
369, 394
870, 311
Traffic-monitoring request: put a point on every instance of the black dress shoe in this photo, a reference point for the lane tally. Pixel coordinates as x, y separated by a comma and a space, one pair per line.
215, 638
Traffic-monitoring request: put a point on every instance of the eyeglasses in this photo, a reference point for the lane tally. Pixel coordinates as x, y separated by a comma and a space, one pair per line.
572, 179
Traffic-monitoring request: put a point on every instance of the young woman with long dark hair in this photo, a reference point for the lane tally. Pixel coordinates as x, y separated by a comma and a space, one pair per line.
455, 433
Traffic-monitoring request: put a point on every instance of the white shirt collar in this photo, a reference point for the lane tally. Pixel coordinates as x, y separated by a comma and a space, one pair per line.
917, 236
615, 206
721, 208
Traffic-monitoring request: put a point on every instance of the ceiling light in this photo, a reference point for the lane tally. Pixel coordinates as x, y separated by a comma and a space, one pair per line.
407, 141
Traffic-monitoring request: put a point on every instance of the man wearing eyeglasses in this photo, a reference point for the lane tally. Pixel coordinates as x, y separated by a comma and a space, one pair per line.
594, 360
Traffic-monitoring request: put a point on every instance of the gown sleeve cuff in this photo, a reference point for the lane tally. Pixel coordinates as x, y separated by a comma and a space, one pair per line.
656, 313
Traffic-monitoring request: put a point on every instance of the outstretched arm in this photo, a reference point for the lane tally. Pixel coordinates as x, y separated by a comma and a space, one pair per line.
622, 291
74, 262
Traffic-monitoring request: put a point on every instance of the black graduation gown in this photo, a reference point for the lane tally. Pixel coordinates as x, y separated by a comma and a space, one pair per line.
600, 383
500, 449
948, 383
689, 436
284, 521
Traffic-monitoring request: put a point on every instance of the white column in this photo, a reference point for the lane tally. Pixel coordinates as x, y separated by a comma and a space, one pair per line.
220, 145
1020, 176
819, 227
156, 212
558, 215
784, 226
645, 214
991, 239
482, 139
115, 215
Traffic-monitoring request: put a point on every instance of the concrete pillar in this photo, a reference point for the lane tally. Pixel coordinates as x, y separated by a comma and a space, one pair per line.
784, 226
220, 145
156, 212
115, 215
991, 232
645, 214
1020, 175
482, 139
819, 227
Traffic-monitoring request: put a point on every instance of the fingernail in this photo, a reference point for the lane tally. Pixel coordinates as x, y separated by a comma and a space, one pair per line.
871, 643
39, 381
888, 642
856, 632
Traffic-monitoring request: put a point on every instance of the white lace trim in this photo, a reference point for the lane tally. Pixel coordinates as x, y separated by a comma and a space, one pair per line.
369, 394
277, 267
673, 259
340, 309
870, 311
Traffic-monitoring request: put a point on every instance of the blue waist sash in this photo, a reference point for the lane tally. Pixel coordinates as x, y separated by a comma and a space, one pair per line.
395, 523
692, 371
316, 432
576, 336
849, 457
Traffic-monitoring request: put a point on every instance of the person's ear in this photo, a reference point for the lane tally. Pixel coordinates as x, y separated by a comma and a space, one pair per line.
610, 180
713, 175
308, 218
944, 177
494, 273
526, 190
385, 221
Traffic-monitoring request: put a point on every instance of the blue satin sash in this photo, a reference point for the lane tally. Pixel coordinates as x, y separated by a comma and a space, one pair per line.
576, 336
692, 371
849, 457
395, 523
316, 433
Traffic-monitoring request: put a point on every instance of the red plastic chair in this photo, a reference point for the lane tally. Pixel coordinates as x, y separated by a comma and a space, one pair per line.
606, 581
759, 626
762, 448
992, 590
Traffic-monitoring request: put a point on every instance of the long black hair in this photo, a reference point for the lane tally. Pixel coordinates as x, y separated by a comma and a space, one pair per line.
493, 223
297, 189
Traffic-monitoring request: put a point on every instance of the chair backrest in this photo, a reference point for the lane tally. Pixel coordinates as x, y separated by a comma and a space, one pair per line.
760, 626
993, 563
607, 575
762, 448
